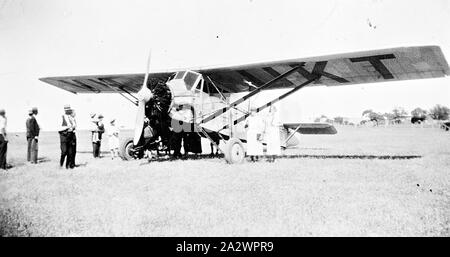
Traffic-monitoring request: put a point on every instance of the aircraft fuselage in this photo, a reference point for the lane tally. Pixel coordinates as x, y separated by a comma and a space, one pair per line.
193, 100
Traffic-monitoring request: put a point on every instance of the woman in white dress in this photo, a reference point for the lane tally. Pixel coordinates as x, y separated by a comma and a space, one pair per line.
113, 139
272, 134
255, 127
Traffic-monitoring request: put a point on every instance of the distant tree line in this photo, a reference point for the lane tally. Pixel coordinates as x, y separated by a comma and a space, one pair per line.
438, 112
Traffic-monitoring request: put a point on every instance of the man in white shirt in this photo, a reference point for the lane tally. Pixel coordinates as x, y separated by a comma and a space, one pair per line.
3, 139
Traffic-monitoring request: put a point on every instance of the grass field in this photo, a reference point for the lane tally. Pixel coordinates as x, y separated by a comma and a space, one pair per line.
291, 197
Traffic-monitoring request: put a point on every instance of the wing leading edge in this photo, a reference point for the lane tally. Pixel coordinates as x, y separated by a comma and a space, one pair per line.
130, 83
393, 64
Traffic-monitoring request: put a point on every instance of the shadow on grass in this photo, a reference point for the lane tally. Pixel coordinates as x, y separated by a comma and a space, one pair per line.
17, 164
43, 159
293, 156
101, 152
166, 158
14, 164
346, 156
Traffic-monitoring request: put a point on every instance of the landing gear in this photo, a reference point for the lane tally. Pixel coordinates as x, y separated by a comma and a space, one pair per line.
234, 151
127, 151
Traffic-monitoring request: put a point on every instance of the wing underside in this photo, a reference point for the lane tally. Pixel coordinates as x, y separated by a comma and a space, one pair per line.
394, 64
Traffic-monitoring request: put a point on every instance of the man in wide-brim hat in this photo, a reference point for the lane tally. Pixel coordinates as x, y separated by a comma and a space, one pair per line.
67, 137
98, 129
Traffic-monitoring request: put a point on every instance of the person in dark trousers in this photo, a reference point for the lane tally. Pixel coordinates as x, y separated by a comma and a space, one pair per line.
32, 136
101, 131
184, 133
66, 136
192, 141
73, 148
97, 132
175, 143
3, 140
28, 135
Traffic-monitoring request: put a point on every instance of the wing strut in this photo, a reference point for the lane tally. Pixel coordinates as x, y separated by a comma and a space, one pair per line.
216, 88
252, 93
292, 134
222, 96
242, 118
105, 83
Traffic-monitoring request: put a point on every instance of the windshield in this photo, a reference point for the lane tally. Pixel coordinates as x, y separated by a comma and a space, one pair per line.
190, 79
179, 75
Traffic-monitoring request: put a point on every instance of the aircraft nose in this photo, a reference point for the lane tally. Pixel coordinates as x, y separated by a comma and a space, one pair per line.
144, 94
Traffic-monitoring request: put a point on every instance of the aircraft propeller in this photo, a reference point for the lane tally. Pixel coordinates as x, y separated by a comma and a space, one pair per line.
144, 95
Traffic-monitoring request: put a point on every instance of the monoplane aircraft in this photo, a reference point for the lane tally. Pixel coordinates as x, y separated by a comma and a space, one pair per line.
214, 101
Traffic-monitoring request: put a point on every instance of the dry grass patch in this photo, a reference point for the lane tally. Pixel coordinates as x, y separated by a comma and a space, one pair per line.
292, 197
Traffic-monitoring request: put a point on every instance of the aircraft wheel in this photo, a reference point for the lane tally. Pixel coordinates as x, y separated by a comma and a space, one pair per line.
234, 151
126, 149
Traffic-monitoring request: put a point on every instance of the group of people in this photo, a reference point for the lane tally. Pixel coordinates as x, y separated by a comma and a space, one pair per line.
97, 131
67, 135
181, 134
183, 137
261, 129
190, 141
68, 138
32, 136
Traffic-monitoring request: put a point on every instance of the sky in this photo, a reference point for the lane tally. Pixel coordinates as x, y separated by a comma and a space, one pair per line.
64, 37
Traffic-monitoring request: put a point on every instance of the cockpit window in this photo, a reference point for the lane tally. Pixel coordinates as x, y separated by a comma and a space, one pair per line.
206, 87
171, 77
180, 75
190, 79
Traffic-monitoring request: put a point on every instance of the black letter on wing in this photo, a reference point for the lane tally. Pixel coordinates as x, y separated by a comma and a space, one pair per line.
377, 64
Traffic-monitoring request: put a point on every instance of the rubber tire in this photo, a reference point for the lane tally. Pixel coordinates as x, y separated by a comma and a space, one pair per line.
123, 150
233, 155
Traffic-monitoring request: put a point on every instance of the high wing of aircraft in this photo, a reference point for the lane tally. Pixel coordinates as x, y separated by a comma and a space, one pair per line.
342, 69
211, 92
